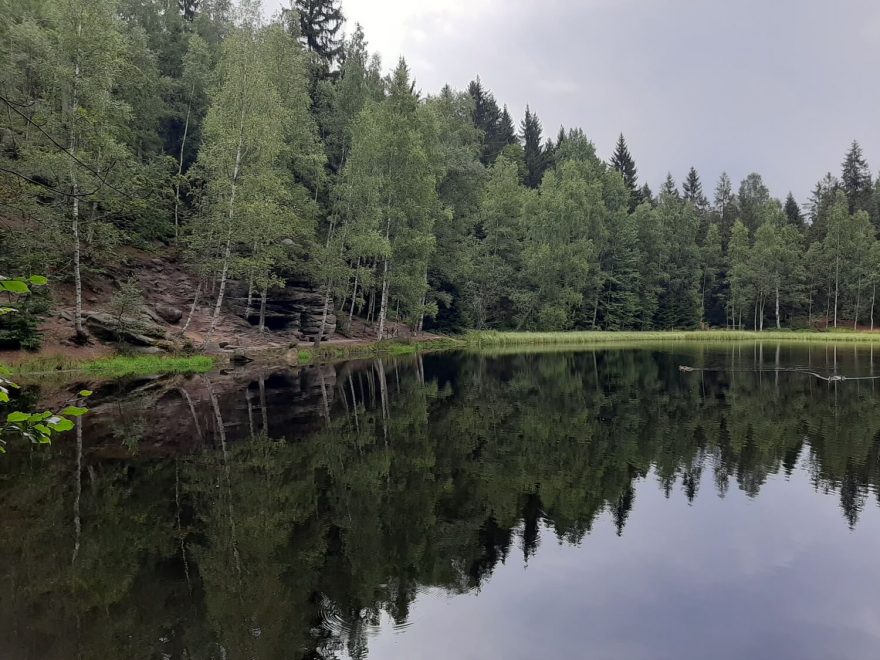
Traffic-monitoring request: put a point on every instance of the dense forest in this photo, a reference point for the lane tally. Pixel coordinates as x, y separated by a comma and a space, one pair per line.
269, 151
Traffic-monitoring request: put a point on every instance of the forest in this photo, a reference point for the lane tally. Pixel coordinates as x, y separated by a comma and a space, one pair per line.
270, 150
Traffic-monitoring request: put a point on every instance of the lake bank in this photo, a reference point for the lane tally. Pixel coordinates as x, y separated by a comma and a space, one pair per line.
585, 338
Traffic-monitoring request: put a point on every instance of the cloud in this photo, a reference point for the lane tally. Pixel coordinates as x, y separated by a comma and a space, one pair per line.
778, 87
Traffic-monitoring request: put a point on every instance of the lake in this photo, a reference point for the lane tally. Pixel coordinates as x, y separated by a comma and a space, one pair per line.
548, 504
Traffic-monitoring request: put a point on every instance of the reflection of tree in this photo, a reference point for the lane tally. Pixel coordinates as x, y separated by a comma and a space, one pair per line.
392, 476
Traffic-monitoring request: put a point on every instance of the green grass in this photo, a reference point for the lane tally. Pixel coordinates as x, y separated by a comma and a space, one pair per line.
385, 347
117, 367
498, 339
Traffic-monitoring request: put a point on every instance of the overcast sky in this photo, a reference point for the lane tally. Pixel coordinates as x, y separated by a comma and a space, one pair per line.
780, 87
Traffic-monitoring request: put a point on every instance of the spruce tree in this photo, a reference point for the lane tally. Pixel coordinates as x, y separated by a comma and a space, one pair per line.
793, 212
856, 179
534, 152
669, 189
490, 121
320, 22
646, 194
693, 189
623, 162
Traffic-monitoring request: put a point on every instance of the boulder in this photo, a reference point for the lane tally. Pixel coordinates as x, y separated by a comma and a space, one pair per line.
137, 332
169, 313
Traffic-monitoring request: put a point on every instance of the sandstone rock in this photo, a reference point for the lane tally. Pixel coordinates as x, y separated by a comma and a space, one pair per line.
169, 314
137, 332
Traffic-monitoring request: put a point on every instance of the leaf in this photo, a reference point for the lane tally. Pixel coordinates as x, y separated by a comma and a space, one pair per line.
4, 397
45, 430
85, 393
61, 425
17, 417
15, 286
74, 411
38, 280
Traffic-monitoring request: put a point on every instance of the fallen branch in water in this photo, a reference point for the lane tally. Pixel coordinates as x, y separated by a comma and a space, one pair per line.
833, 378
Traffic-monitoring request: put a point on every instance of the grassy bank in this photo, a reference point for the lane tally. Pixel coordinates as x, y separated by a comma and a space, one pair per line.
331, 352
116, 367
499, 339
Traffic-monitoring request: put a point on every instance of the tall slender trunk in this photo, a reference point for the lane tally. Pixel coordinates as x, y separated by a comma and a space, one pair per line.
250, 296
263, 295
778, 325
836, 283
354, 292
228, 250
74, 185
383, 306
873, 297
858, 304
192, 308
180, 165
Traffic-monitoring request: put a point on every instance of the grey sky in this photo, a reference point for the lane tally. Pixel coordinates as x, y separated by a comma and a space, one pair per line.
780, 87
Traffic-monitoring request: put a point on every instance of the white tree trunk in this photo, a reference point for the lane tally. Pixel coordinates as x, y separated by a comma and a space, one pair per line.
74, 185
263, 296
383, 306
180, 166
228, 250
778, 325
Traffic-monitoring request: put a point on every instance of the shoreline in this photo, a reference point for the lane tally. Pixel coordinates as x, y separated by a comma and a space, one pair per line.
495, 339
120, 365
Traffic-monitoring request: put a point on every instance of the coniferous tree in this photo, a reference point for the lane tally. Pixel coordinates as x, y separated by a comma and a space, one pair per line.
670, 189
646, 195
320, 22
856, 179
623, 162
793, 212
535, 161
692, 189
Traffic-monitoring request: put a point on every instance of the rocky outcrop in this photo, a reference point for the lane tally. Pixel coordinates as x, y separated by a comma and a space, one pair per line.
169, 314
134, 331
291, 308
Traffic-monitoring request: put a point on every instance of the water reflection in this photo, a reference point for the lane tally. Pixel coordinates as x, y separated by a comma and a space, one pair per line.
289, 513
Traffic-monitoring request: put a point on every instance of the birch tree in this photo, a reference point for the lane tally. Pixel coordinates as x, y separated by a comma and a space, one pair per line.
242, 141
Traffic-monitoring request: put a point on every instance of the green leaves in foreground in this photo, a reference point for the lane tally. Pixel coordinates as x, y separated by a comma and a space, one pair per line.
36, 427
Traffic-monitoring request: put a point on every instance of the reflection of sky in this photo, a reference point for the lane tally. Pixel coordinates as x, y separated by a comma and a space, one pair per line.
778, 576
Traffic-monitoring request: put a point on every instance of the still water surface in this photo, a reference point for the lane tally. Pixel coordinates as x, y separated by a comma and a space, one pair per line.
589, 504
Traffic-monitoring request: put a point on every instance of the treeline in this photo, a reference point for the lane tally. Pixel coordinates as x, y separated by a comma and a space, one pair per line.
273, 151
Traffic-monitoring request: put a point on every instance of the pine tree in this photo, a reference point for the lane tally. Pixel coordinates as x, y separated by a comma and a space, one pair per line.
646, 195
506, 131
490, 121
793, 212
534, 152
623, 162
693, 189
856, 179
320, 22
669, 189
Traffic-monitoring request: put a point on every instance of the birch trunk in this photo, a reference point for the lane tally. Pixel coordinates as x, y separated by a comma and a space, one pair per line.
383, 305
74, 185
228, 251
180, 165
192, 309
357, 272
263, 295
778, 325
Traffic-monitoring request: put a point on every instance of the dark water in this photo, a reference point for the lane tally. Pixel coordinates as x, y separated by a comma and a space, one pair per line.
552, 505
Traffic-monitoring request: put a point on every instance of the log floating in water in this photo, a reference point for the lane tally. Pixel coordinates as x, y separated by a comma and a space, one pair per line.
833, 378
